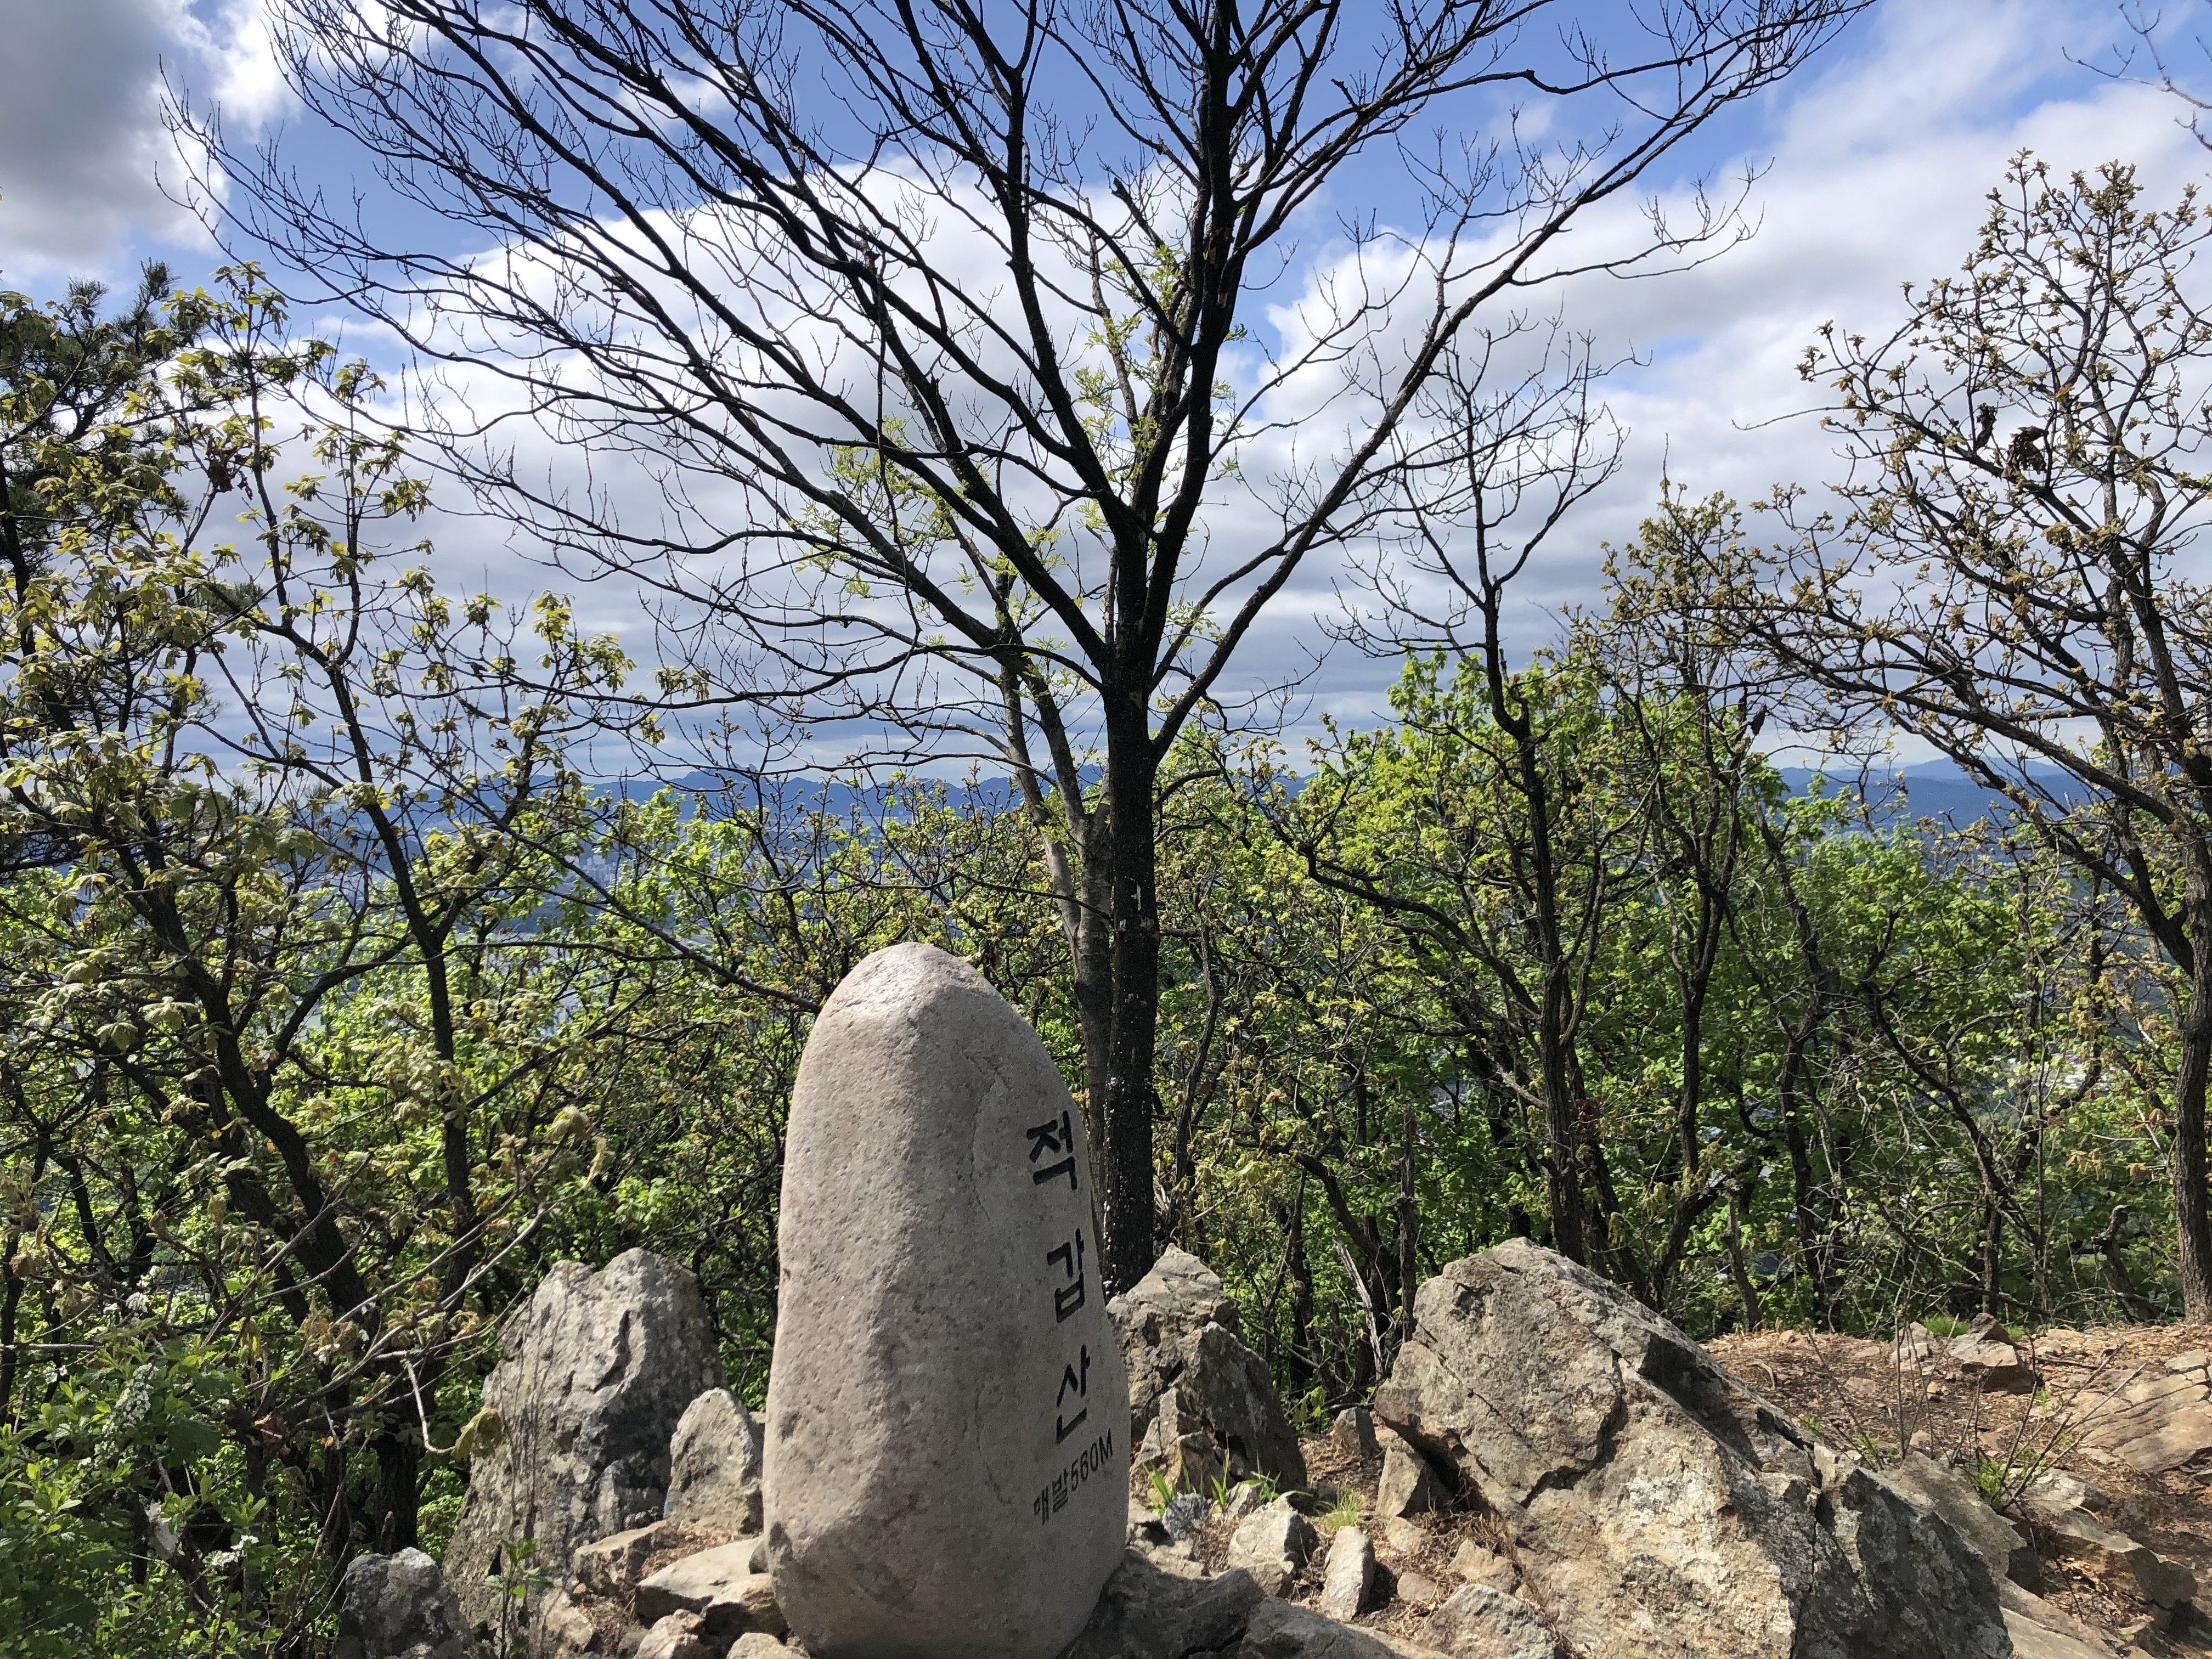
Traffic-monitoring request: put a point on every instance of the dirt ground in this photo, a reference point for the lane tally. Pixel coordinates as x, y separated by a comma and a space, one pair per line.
1853, 1392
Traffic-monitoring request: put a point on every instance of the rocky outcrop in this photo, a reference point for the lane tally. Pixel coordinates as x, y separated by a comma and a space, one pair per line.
1202, 1406
399, 1607
595, 1371
1656, 1506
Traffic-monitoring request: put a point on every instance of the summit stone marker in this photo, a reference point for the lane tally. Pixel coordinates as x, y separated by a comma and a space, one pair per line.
946, 1451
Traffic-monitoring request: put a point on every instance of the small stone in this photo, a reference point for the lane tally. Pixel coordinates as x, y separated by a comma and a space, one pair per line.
564, 1630
1409, 1486
1985, 1328
2195, 1360
1184, 1515
1272, 1545
1348, 1576
1916, 1345
1403, 1535
610, 1567
1147, 1614
1922, 1442
1352, 1434
1987, 1358
678, 1637
753, 1644
1418, 1590
1244, 1498
1480, 1620
714, 1467
1478, 1565
1934, 1391
1284, 1630
967, 1497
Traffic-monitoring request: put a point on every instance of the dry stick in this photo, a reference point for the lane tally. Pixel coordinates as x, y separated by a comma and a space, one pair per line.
1366, 1305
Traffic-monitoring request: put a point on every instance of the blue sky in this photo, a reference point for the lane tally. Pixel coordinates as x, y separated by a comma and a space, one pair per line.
1875, 164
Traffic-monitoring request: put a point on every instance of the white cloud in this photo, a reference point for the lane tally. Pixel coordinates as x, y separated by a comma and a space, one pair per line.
84, 153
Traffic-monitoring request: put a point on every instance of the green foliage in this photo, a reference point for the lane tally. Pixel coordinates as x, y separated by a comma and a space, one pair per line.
337, 1001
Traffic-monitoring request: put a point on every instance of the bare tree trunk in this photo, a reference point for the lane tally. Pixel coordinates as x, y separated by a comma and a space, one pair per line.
1409, 1228
1132, 859
1746, 1292
2192, 1214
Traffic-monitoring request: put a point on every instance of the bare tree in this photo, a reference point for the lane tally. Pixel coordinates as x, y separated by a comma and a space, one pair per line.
2013, 581
943, 330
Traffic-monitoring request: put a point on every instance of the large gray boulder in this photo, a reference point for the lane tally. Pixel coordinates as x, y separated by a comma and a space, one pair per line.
595, 1371
1657, 1506
399, 1607
947, 1456
1202, 1404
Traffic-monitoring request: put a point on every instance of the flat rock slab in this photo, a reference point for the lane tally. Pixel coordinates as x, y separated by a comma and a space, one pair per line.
2179, 1441
947, 1456
2032, 1641
2079, 1533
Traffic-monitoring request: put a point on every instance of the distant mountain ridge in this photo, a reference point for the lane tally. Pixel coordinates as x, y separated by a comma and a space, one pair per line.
1930, 789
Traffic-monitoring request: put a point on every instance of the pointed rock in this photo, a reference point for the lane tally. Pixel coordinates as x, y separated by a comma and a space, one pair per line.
595, 1371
